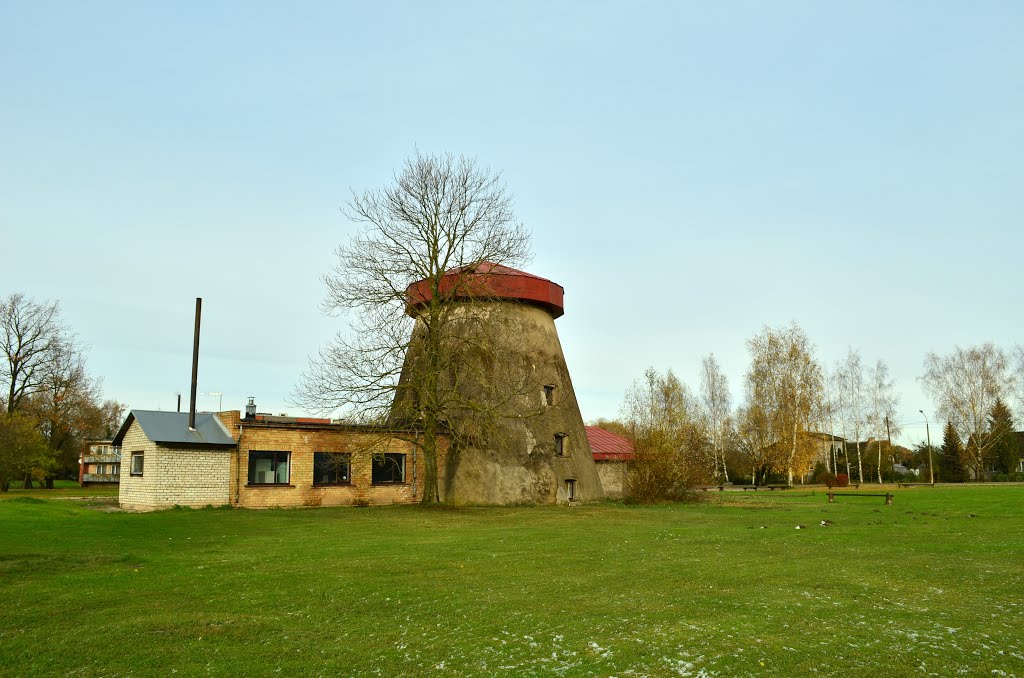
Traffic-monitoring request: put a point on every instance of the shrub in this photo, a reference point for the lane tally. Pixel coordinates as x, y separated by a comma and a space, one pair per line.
826, 478
658, 475
842, 480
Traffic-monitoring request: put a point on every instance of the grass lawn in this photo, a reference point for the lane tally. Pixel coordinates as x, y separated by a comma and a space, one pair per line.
64, 489
932, 585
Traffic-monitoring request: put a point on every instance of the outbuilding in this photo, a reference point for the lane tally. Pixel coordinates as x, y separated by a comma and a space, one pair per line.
612, 454
263, 461
165, 463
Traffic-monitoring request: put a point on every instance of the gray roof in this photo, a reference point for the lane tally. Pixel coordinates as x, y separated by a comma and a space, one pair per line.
172, 427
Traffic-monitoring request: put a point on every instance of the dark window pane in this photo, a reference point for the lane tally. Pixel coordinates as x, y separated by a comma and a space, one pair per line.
389, 468
331, 468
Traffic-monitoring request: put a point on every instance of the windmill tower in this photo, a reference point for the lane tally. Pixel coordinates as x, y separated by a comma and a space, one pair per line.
503, 359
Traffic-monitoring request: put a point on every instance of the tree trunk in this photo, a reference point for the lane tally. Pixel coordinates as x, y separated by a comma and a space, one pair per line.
792, 456
860, 464
429, 416
27, 484
430, 484
430, 494
725, 470
879, 463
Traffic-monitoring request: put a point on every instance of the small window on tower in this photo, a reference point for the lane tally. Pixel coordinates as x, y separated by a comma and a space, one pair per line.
560, 444
549, 395
570, 489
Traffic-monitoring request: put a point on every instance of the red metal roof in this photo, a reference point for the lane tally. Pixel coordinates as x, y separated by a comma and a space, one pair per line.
491, 281
608, 446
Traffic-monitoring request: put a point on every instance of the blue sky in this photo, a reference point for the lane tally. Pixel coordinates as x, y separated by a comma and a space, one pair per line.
690, 173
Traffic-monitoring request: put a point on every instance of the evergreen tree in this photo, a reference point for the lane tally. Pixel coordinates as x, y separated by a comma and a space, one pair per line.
951, 468
1005, 452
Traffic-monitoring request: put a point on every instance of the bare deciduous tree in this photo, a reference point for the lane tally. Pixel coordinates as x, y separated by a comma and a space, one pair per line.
884, 400
31, 340
439, 215
853, 394
965, 386
831, 410
717, 402
836, 394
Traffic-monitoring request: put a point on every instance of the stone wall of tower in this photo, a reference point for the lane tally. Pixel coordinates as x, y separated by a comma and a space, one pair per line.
530, 445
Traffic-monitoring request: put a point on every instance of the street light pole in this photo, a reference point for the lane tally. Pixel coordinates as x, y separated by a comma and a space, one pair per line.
928, 431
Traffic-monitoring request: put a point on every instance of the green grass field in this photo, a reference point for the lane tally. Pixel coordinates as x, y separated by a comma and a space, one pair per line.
62, 489
933, 585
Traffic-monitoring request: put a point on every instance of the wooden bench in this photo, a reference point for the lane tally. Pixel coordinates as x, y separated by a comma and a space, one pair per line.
832, 496
708, 488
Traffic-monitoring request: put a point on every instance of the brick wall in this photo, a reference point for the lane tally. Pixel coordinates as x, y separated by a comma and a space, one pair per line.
137, 492
172, 476
198, 478
301, 443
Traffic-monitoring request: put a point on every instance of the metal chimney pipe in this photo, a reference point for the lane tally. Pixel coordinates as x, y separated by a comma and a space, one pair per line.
195, 366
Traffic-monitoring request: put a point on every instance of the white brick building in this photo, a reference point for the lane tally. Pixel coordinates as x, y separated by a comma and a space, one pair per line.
164, 463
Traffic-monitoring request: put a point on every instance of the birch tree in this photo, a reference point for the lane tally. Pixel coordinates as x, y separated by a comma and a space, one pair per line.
965, 385
784, 384
757, 443
839, 408
716, 401
854, 390
883, 404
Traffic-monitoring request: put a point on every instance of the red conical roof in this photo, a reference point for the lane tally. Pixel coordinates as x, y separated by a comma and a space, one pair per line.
490, 282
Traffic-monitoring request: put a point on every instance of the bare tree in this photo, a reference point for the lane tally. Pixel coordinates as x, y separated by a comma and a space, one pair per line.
439, 215
965, 386
785, 384
30, 339
45, 379
855, 403
884, 400
836, 394
1018, 358
717, 402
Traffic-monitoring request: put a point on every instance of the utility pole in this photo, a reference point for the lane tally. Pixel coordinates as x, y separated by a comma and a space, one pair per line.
928, 432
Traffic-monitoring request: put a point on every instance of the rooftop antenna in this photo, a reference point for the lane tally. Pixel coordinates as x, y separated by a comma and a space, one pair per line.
195, 366
220, 398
